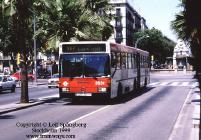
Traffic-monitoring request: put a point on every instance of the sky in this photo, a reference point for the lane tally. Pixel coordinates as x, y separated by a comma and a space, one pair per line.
158, 14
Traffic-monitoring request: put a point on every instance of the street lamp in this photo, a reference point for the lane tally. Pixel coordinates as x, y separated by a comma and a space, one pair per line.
139, 39
35, 53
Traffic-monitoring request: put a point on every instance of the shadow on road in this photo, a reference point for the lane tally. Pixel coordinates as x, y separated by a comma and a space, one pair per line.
104, 101
6, 117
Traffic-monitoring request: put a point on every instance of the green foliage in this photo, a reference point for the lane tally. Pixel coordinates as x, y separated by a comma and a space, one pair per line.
13, 21
72, 20
56, 20
156, 44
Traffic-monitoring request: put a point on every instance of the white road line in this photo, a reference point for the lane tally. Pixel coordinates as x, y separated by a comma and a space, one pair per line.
164, 83
195, 84
82, 117
152, 84
174, 84
39, 86
185, 84
46, 97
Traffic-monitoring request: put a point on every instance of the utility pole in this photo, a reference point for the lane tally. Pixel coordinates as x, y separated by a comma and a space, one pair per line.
35, 53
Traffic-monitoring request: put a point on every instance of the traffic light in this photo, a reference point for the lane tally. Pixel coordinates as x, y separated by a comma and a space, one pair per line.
152, 57
18, 58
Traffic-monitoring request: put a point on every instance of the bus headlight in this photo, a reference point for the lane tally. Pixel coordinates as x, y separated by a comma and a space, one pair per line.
65, 89
102, 89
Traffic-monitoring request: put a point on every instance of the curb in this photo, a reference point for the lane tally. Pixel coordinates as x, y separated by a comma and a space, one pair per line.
19, 106
196, 113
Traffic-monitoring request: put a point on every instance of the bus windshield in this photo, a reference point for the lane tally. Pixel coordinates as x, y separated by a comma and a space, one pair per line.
84, 65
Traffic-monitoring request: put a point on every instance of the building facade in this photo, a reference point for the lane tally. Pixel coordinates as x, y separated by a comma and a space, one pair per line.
127, 21
181, 56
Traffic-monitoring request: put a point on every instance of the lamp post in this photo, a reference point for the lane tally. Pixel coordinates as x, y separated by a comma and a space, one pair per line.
35, 53
139, 39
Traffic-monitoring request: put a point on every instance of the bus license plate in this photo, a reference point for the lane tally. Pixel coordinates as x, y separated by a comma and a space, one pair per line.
83, 94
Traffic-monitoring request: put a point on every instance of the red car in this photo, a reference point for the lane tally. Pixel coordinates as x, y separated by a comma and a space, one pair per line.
17, 76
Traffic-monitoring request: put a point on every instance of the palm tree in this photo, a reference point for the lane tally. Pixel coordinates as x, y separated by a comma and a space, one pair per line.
16, 16
73, 20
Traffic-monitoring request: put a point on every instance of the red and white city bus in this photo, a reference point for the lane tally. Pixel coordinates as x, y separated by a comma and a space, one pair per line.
98, 68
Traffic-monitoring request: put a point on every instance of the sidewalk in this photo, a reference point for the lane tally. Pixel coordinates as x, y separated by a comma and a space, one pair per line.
195, 101
18, 106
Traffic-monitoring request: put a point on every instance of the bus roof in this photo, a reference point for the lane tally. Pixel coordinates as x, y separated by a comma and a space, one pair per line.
114, 46
124, 48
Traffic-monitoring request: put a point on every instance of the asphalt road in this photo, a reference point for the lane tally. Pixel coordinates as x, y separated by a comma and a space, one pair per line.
149, 115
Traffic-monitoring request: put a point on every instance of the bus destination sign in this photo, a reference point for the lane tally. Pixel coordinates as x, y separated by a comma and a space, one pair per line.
67, 48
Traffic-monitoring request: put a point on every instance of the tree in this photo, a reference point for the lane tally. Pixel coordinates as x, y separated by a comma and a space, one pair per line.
16, 15
7, 40
156, 44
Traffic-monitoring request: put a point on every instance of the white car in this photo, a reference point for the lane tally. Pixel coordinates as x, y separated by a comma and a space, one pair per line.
53, 81
7, 83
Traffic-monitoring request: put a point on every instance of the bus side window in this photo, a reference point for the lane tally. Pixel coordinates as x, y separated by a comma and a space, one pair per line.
119, 60
124, 60
134, 61
113, 60
129, 61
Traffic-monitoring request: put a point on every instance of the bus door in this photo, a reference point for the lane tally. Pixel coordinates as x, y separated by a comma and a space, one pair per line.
124, 63
138, 70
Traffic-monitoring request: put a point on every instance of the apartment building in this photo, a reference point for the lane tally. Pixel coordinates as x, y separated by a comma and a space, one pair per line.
127, 21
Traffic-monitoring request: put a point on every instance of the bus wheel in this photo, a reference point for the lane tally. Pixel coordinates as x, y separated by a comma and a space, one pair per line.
145, 82
135, 86
119, 92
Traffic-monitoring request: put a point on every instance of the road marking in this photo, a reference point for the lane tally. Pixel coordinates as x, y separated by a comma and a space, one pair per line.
196, 84
174, 84
75, 120
164, 83
152, 84
185, 84
47, 97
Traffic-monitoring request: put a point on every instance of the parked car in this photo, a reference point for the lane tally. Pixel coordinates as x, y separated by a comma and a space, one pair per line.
53, 81
7, 83
17, 76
